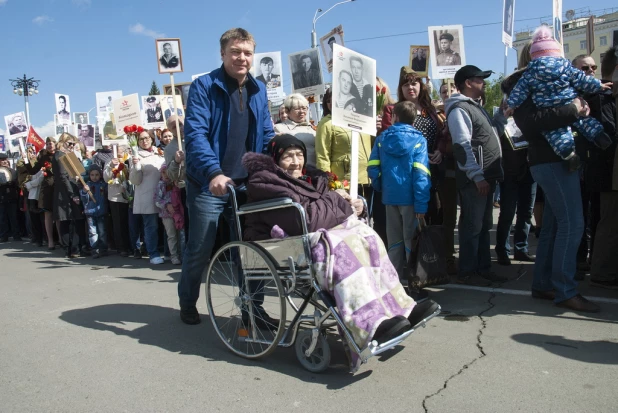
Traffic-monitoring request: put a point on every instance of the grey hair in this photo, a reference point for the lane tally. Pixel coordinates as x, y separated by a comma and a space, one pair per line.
295, 99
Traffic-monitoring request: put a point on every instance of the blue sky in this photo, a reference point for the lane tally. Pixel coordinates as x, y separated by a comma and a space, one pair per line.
80, 47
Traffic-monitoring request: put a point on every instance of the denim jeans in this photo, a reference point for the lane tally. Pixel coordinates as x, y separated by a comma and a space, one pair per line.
204, 212
136, 229
475, 222
151, 234
516, 194
563, 225
97, 232
8, 220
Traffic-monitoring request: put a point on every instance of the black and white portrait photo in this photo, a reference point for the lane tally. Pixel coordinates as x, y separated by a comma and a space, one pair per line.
419, 59
59, 127
80, 117
63, 108
85, 134
306, 72
327, 42
267, 69
16, 125
169, 55
171, 107
508, 24
446, 49
557, 20
152, 112
354, 90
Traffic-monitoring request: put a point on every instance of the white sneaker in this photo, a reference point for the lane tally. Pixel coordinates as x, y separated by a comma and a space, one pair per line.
156, 261
176, 261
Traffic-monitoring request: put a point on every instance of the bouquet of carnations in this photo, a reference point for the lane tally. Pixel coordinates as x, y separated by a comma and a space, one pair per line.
334, 183
47, 169
119, 175
132, 132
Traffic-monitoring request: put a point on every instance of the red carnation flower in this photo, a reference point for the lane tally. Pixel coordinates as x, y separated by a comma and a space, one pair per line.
133, 128
140, 129
127, 129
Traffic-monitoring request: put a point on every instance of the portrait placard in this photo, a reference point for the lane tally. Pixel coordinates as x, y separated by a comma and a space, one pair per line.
169, 55
354, 91
59, 126
16, 125
557, 20
2, 145
63, 108
306, 73
104, 104
508, 22
447, 50
81, 117
127, 112
152, 112
267, 69
327, 42
419, 59
85, 134
171, 106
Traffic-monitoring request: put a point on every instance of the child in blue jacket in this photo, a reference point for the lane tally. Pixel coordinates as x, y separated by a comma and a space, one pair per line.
96, 211
399, 168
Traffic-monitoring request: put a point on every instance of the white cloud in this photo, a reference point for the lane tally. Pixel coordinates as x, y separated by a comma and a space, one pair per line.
41, 20
3, 2
139, 28
49, 129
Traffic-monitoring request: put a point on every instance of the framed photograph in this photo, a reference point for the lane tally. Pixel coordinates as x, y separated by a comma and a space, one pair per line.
59, 127
327, 42
152, 112
169, 55
171, 106
104, 104
557, 20
63, 108
508, 25
80, 117
306, 73
267, 69
85, 134
16, 125
419, 59
447, 51
354, 91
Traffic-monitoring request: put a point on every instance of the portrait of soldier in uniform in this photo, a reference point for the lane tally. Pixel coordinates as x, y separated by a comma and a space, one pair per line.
447, 56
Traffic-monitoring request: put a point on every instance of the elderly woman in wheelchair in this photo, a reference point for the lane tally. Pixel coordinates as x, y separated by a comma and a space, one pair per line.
295, 225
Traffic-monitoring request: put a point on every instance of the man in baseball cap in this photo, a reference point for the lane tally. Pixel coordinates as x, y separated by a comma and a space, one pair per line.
477, 150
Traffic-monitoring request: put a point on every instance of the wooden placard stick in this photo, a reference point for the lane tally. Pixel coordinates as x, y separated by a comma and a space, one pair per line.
175, 111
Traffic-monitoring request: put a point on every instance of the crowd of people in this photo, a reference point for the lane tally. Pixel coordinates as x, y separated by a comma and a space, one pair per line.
428, 158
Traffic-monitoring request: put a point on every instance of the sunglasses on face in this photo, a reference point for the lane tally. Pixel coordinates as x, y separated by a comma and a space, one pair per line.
587, 68
70, 143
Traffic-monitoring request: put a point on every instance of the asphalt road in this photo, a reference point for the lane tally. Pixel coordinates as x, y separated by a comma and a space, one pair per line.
104, 335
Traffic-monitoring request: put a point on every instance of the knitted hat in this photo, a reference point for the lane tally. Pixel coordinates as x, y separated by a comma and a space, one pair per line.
95, 167
543, 43
280, 143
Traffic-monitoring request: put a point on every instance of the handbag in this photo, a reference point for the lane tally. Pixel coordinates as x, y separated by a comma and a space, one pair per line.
427, 261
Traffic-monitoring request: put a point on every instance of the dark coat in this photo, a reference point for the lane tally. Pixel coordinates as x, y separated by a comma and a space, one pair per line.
64, 192
323, 208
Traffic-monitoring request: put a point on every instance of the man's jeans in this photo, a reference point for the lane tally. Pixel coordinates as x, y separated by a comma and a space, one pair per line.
515, 195
151, 234
97, 232
561, 233
8, 220
475, 222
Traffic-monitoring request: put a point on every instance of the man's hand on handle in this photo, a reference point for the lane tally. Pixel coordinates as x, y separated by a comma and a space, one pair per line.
218, 185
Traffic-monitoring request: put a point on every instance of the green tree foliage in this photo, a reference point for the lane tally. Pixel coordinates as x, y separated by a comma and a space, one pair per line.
154, 89
493, 95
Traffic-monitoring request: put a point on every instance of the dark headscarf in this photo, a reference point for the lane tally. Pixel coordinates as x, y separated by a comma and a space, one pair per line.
280, 143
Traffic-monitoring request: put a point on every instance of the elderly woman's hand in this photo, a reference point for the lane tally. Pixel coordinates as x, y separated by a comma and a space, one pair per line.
358, 206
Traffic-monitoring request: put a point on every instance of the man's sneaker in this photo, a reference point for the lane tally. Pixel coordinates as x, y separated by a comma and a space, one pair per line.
156, 261
579, 303
610, 285
523, 256
190, 315
176, 261
137, 254
493, 277
96, 254
503, 258
473, 279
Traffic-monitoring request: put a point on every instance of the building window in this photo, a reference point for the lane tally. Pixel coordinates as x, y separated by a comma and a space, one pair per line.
603, 41
582, 44
566, 48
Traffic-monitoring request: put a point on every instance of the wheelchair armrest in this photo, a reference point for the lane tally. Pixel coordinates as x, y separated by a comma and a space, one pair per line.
265, 205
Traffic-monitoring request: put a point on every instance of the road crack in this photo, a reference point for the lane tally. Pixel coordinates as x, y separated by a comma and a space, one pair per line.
479, 346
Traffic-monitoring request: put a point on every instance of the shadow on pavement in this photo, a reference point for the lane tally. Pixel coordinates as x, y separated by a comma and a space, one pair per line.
161, 327
596, 352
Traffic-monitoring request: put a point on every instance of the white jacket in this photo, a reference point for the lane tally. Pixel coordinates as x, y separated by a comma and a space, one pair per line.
34, 185
145, 176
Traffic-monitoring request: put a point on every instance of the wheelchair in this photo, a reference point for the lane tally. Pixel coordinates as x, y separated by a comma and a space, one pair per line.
277, 275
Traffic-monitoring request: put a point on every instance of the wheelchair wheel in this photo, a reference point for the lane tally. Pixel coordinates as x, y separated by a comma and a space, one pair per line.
236, 304
319, 360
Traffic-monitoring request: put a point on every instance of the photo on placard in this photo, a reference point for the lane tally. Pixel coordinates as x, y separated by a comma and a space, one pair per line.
59, 127
169, 55
267, 69
16, 124
354, 93
447, 51
306, 73
508, 20
557, 20
419, 59
152, 112
104, 104
110, 135
171, 106
85, 134
327, 42
80, 117
63, 108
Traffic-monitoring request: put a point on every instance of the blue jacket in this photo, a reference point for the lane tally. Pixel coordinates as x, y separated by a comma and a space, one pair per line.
99, 191
399, 167
207, 124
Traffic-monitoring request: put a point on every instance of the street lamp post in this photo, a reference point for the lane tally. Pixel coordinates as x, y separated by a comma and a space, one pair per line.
26, 87
314, 39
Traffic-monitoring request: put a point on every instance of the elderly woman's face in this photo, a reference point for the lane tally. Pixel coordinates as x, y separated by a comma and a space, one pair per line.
292, 161
144, 141
298, 112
